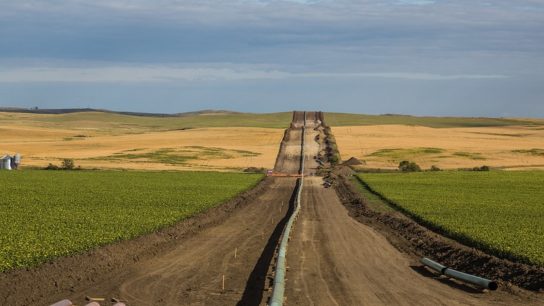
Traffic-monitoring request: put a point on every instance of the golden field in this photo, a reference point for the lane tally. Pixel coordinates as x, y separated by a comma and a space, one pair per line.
95, 144
224, 141
384, 146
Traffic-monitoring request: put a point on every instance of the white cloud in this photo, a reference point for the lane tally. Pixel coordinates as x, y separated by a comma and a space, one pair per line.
125, 74
266, 11
416, 2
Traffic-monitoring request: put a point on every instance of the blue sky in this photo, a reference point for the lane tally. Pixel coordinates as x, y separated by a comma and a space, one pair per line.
423, 57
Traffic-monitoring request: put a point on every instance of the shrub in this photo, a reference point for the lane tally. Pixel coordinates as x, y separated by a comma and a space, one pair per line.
255, 170
68, 164
435, 168
334, 159
407, 166
51, 167
482, 168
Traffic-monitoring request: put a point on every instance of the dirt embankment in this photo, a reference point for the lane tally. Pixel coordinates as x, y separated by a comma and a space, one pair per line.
413, 238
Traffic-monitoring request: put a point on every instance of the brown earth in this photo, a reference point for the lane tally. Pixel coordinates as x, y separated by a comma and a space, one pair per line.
418, 240
336, 260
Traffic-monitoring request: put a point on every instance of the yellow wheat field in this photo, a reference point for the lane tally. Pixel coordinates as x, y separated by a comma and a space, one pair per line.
99, 140
205, 148
384, 146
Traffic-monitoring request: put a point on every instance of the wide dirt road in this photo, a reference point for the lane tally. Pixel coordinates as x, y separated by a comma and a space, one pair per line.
236, 253
335, 260
192, 273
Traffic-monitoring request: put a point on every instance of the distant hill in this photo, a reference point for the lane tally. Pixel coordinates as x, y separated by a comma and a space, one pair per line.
58, 111
226, 118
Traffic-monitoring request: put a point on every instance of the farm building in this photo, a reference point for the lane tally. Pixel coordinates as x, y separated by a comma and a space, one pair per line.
8, 162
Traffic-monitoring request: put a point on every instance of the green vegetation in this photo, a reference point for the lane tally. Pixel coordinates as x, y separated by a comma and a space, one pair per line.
333, 155
408, 166
470, 155
46, 214
340, 119
66, 164
397, 154
116, 123
176, 156
374, 201
534, 152
499, 212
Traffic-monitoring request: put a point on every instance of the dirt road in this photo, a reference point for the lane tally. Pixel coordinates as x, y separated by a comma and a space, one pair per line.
240, 249
335, 260
227, 264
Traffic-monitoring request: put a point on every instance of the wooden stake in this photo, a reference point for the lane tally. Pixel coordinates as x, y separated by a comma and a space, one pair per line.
235, 252
223, 284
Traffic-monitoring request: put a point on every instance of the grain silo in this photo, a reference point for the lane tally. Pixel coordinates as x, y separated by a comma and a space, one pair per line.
5, 162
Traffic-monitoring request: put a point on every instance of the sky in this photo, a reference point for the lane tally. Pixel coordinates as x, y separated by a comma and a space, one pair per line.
419, 57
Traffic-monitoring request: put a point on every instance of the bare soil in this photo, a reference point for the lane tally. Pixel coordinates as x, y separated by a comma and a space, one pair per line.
336, 260
418, 240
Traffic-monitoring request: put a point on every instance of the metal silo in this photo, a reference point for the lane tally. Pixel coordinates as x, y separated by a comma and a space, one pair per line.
7, 162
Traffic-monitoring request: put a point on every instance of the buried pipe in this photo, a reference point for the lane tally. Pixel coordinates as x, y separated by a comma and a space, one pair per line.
471, 279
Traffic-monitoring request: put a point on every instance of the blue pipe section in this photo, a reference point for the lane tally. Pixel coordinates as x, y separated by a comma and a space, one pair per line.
278, 290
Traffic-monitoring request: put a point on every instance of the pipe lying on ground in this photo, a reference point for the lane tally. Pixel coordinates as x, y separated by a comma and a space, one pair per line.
433, 265
278, 289
471, 279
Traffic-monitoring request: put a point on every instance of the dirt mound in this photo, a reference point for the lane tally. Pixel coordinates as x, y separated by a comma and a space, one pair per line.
353, 162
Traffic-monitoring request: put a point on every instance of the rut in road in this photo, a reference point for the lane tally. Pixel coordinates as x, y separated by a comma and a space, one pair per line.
335, 260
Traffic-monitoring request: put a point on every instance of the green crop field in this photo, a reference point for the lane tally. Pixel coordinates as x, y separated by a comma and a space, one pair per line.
499, 212
45, 214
